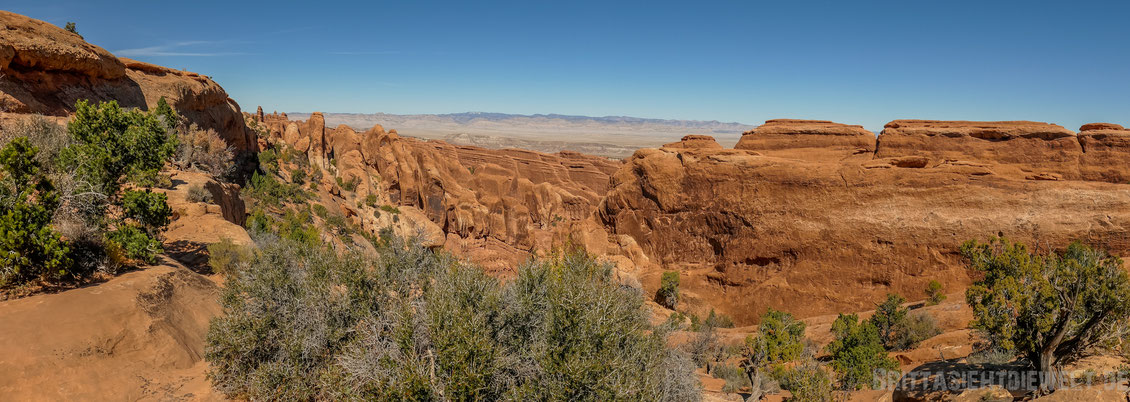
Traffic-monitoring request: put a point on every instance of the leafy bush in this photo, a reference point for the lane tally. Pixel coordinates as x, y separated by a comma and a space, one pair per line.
807, 382
857, 353
780, 339
29, 247
668, 293
225, 256
390, 209
197, 193
298, 176
304, 323
934, 294
733, 375
149, 209
900, 330
371, 200
321, 211
267, 189
136, 243
348, 185
111, 143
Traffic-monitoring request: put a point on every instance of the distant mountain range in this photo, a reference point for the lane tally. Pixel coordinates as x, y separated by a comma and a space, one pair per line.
612, 136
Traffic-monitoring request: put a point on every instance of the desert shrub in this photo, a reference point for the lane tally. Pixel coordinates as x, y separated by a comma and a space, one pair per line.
668, 293
857, 352
713, 319
45, 135
305, 323
321, 211
147, 208
733, 375
269, 190
371, 200
136, 243
29, 247
934, 293
269, 161
70, 27
111, 143
298, 176
224, 256
390, 209
780, 339
197, 193
889, 315
991, 355
349, 185
204, 150
807, 382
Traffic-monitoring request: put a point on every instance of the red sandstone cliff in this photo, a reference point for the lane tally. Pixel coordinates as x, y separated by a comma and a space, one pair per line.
45, 70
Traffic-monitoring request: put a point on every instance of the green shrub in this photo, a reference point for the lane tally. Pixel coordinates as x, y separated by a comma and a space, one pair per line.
900, 330
780, 339
306, 323
70, 27
29, 247
371, 200
733, 375
1051, 309
267, 189
390, 209
807, 382
668, 293
348, 185
321, 211
858, 355
934, 294
298, 176
110, 143
136, 243
225, 256
149, 209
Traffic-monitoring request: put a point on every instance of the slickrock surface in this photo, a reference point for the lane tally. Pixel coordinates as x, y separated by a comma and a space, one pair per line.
45, 69
139, 336
809, 139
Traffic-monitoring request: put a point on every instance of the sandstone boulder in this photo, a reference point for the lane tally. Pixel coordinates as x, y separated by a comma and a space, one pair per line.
1106, 152
695, 142
808, 139
1031, 147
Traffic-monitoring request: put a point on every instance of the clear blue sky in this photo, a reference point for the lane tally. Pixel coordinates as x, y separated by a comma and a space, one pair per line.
854, 62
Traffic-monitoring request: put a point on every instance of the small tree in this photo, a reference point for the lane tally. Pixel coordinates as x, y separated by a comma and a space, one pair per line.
780, 339
889, 316
934, 294
149, 209
1052, 309
668, 293
70, 27
29, 247
857, 352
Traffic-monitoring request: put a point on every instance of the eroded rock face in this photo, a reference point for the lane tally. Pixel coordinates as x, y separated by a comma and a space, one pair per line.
45, 70
1032, 147
497, 205
1106, 154
695, 142
809, 139
748, 231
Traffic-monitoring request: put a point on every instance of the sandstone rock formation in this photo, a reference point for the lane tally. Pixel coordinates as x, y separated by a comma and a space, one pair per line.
1031, 147
808, 139
1106, 156
45, 70
496, 205
818, 234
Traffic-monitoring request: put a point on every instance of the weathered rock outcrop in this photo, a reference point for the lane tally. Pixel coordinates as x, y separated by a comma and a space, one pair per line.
1031, 147
809, 139
817, 236
1106, 156
45, 70
500, 205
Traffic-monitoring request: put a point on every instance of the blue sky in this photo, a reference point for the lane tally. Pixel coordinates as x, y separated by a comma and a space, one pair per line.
853, 62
